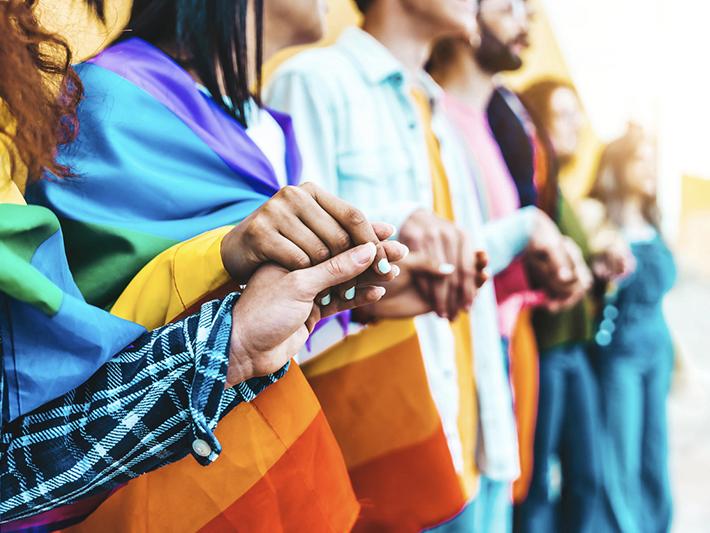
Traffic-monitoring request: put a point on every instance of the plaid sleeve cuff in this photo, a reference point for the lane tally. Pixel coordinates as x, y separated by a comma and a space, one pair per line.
209, 399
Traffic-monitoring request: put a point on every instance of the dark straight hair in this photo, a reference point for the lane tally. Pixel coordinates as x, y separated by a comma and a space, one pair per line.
208, 36
98, 7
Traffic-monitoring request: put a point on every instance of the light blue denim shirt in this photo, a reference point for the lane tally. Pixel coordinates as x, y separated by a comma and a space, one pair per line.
361, 137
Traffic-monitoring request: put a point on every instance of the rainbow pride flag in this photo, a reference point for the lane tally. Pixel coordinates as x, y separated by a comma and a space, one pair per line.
162, 172
52, 340
376, 395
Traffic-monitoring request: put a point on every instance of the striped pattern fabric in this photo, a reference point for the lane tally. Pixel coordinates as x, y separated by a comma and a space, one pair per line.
183, 169
38, 294
375, 393
140, 411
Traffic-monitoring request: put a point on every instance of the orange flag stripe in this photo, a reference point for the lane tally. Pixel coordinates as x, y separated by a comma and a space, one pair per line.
524, 371
297, 472
378, 404
254, 437
412, 488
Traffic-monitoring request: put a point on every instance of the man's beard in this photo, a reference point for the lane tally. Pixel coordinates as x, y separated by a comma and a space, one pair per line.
493, 55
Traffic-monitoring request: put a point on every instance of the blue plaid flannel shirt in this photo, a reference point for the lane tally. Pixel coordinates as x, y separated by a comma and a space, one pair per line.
151, 405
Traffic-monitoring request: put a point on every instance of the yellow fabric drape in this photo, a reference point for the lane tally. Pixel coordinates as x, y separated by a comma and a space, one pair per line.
461, 327
190, 270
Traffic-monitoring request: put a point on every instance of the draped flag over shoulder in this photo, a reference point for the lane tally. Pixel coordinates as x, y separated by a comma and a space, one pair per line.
52, 340
375, 392
159, 163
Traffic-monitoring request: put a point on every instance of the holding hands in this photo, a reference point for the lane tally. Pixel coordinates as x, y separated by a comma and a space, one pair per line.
304, 255
449, 271
276, 313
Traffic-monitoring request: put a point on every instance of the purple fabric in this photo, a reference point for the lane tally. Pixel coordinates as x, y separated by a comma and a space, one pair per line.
149, 68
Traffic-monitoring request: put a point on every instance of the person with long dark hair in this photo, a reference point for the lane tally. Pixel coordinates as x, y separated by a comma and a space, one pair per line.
634, 349
75, 417
173, 142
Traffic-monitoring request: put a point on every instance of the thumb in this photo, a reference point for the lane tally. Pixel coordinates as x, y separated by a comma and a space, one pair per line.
337, 270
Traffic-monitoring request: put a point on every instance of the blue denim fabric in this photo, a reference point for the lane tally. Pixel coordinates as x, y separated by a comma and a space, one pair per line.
567, 476
490, 512
634, 372
637, 482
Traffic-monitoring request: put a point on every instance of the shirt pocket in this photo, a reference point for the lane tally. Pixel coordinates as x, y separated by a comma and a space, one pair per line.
376, 175
373, 165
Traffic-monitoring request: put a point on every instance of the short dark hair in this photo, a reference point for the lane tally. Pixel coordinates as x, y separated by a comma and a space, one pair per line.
99, 8
364, 5
210, 37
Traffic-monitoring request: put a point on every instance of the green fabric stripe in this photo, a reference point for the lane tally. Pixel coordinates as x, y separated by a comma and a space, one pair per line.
104, 259
22, 230
575, 325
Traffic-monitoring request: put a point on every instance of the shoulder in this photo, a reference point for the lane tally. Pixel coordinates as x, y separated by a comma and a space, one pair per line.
324, 70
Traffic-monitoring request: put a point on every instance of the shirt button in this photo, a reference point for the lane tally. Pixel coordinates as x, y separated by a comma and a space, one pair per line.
201, 448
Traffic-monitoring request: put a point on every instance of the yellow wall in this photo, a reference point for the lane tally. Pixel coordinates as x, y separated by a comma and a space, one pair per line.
545, 58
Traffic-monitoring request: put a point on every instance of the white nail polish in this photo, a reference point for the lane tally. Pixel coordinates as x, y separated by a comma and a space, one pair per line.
384, 266
350, 293
325, 301
447, 268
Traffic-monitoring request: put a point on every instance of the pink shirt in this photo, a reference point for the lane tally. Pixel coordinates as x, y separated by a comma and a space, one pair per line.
500, 197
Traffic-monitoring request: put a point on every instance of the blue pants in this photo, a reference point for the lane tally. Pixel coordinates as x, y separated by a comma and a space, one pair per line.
490, 512
633, 391
567, 475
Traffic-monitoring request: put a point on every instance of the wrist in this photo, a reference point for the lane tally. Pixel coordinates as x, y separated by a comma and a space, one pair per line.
241, 366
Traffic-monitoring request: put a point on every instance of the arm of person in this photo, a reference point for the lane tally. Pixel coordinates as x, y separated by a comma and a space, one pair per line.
507, 238
163, 396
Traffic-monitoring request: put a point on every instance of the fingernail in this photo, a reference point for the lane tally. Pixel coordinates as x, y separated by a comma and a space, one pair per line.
364, 254
325, 301
384, 266
447, 268
396, 270
378, 293
350, 293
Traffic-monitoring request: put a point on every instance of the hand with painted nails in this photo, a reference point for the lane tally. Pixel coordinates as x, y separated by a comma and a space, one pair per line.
300, 227
451, 253
276, 312
403, 299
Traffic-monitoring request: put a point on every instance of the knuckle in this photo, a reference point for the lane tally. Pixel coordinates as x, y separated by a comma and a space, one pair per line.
291, 193
354, 216
321, 254
342, 240
335, 268
302, 261
257, 227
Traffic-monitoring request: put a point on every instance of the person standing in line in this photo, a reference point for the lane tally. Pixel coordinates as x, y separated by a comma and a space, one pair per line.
634, 350
71, 426
164, 170
468, 89
372, 129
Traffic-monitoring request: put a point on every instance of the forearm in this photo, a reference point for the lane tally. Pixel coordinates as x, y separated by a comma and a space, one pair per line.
507, 238
153, 404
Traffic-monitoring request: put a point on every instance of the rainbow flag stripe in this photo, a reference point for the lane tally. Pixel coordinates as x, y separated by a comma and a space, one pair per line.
158, 164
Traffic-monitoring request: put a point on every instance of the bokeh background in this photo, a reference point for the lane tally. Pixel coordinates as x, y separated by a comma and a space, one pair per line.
631, 60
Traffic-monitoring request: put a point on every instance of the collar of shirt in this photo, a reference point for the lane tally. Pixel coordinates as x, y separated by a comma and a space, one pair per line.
377, 65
